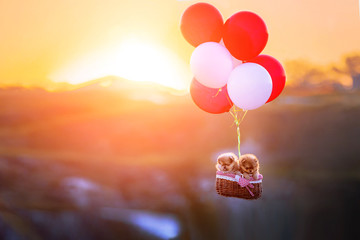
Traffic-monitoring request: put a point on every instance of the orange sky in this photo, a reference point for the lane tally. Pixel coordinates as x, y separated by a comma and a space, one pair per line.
44, 40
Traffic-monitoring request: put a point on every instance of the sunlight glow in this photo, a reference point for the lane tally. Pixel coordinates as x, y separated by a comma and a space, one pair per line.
133, 60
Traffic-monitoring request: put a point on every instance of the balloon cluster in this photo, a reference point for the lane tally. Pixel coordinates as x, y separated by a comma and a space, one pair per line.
226, 63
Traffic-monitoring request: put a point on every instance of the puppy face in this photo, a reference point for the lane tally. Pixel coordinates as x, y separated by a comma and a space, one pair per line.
249, 164
227, 162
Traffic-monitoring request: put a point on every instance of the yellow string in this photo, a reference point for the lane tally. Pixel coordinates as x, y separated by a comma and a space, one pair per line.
237, 122
217, 92
234, 114
243, 116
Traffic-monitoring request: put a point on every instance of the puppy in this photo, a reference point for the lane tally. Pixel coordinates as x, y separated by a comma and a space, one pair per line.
249, 166
227, 162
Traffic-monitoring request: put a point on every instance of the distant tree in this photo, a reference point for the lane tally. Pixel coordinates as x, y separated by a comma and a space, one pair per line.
352, 68
308, 77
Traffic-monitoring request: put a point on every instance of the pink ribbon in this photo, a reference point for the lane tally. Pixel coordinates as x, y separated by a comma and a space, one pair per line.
243, 182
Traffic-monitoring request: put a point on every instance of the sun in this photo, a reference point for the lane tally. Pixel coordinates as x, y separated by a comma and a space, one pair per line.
132, 59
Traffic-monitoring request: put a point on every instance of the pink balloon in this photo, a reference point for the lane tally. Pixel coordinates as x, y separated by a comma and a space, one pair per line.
211, 100
245, 35
211, 64
276, 72
236, 62
201, 23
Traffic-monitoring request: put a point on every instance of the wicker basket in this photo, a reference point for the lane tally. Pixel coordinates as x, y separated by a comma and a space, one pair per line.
227, 184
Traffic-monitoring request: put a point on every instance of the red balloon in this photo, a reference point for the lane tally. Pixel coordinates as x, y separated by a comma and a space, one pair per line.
210, 100
201, 23
276, 72
245, 35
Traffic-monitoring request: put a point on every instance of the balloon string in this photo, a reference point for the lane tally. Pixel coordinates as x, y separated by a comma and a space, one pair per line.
230, 102
238, 122
243, 116
238, 135
217, 92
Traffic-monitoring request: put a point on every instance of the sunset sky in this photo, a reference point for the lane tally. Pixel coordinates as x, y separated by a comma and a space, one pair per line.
47, 41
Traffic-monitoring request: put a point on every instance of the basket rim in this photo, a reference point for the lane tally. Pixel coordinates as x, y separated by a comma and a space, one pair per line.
232, 177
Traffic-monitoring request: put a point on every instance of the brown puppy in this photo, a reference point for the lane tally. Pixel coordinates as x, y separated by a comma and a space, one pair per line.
227, 162
249, 166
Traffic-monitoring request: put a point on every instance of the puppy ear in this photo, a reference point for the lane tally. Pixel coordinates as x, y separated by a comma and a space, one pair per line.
253, 157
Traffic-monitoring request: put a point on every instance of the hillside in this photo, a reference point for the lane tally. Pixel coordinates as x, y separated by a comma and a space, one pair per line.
92, 155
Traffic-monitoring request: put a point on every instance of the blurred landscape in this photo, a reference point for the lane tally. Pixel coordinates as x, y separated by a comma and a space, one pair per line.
100, 139
130, 160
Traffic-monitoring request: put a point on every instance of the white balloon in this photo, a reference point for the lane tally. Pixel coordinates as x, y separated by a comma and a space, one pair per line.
211, 64
249, 86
